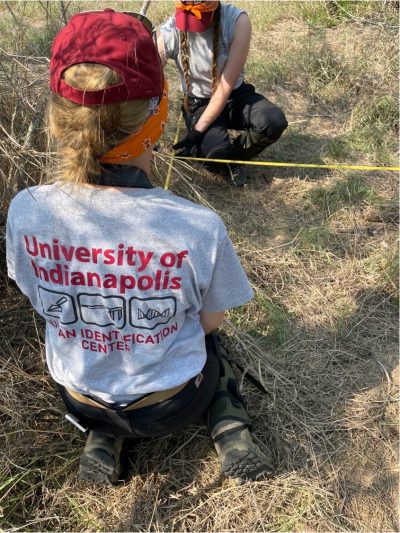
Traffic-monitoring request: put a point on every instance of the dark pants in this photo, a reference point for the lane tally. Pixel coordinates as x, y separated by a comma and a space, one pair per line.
172, 415
260, 121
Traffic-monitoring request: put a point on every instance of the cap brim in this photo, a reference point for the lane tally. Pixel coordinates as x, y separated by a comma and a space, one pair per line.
186, 21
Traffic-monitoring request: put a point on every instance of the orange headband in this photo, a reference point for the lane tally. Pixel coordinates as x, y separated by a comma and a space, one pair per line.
141, 140
198, 9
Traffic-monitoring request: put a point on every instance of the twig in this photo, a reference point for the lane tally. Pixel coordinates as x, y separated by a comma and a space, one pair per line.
63, 12
12, 13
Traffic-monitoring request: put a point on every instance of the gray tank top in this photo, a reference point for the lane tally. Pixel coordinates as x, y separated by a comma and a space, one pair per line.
201, 46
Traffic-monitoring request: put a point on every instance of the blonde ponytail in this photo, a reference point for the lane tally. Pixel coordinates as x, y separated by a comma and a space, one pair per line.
83, 134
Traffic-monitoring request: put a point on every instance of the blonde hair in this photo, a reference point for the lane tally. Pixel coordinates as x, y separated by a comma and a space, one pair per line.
185, 57
83, 134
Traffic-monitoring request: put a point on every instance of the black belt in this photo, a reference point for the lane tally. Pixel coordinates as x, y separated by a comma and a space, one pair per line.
198, 101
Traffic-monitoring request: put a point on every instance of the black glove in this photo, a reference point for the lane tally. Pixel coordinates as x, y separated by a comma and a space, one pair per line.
189, 144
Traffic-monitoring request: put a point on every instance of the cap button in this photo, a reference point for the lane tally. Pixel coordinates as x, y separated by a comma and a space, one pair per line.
109, 10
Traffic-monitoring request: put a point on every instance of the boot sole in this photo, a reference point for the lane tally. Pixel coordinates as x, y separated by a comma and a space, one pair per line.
98, 468
245, 465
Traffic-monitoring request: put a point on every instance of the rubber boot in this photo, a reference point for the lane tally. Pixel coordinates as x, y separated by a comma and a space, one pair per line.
100, 460
241, 459
237, 175
229, 423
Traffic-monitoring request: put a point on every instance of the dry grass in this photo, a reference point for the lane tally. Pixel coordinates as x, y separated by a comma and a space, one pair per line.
321, 334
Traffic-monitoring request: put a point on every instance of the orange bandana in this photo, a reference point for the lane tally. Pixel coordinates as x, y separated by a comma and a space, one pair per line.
198, 9
141, 140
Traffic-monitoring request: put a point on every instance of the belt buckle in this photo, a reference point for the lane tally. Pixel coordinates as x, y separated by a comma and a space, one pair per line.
198, 380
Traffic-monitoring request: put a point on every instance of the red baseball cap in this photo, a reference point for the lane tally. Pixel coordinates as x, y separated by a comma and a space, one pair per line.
116, 40
186, 20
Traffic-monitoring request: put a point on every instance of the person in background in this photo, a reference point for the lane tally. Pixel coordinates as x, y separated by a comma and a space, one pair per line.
209, 42
131, 280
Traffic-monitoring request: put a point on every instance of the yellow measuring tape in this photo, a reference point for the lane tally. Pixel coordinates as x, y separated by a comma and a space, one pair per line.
299, 165
267, 163
171, 162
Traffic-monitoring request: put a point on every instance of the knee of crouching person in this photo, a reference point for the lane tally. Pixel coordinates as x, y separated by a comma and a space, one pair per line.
276, 124
271, 123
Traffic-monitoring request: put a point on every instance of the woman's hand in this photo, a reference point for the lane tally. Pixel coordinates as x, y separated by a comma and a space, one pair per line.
189, 144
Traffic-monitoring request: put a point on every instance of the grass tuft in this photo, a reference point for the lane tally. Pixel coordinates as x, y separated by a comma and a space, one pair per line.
375, 129
348, 192
277, 320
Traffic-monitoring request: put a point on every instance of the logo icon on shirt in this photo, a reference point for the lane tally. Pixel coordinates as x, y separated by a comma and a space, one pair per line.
58, 305
102, 310
152, 313
148, 313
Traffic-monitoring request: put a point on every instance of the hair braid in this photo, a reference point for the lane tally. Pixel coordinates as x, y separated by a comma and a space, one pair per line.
216, 34
185, 58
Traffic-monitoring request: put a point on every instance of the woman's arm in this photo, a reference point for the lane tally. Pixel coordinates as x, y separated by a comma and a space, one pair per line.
237, 56
211, 320
161, 50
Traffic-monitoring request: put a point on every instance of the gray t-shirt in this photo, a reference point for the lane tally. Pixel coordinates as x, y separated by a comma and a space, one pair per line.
201, 51
120, 277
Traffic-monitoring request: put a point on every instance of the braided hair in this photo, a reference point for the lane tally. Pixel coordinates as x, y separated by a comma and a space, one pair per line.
185, 57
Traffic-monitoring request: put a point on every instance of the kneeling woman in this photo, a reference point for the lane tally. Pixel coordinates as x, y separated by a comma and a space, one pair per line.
209, 42
130, 279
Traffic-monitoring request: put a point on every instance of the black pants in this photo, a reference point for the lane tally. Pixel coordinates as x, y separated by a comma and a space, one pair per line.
217, 390
260, 121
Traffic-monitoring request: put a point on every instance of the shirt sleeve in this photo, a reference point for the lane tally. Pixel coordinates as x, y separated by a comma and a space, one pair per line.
169, 34
231, 14
10, 248
229, 285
